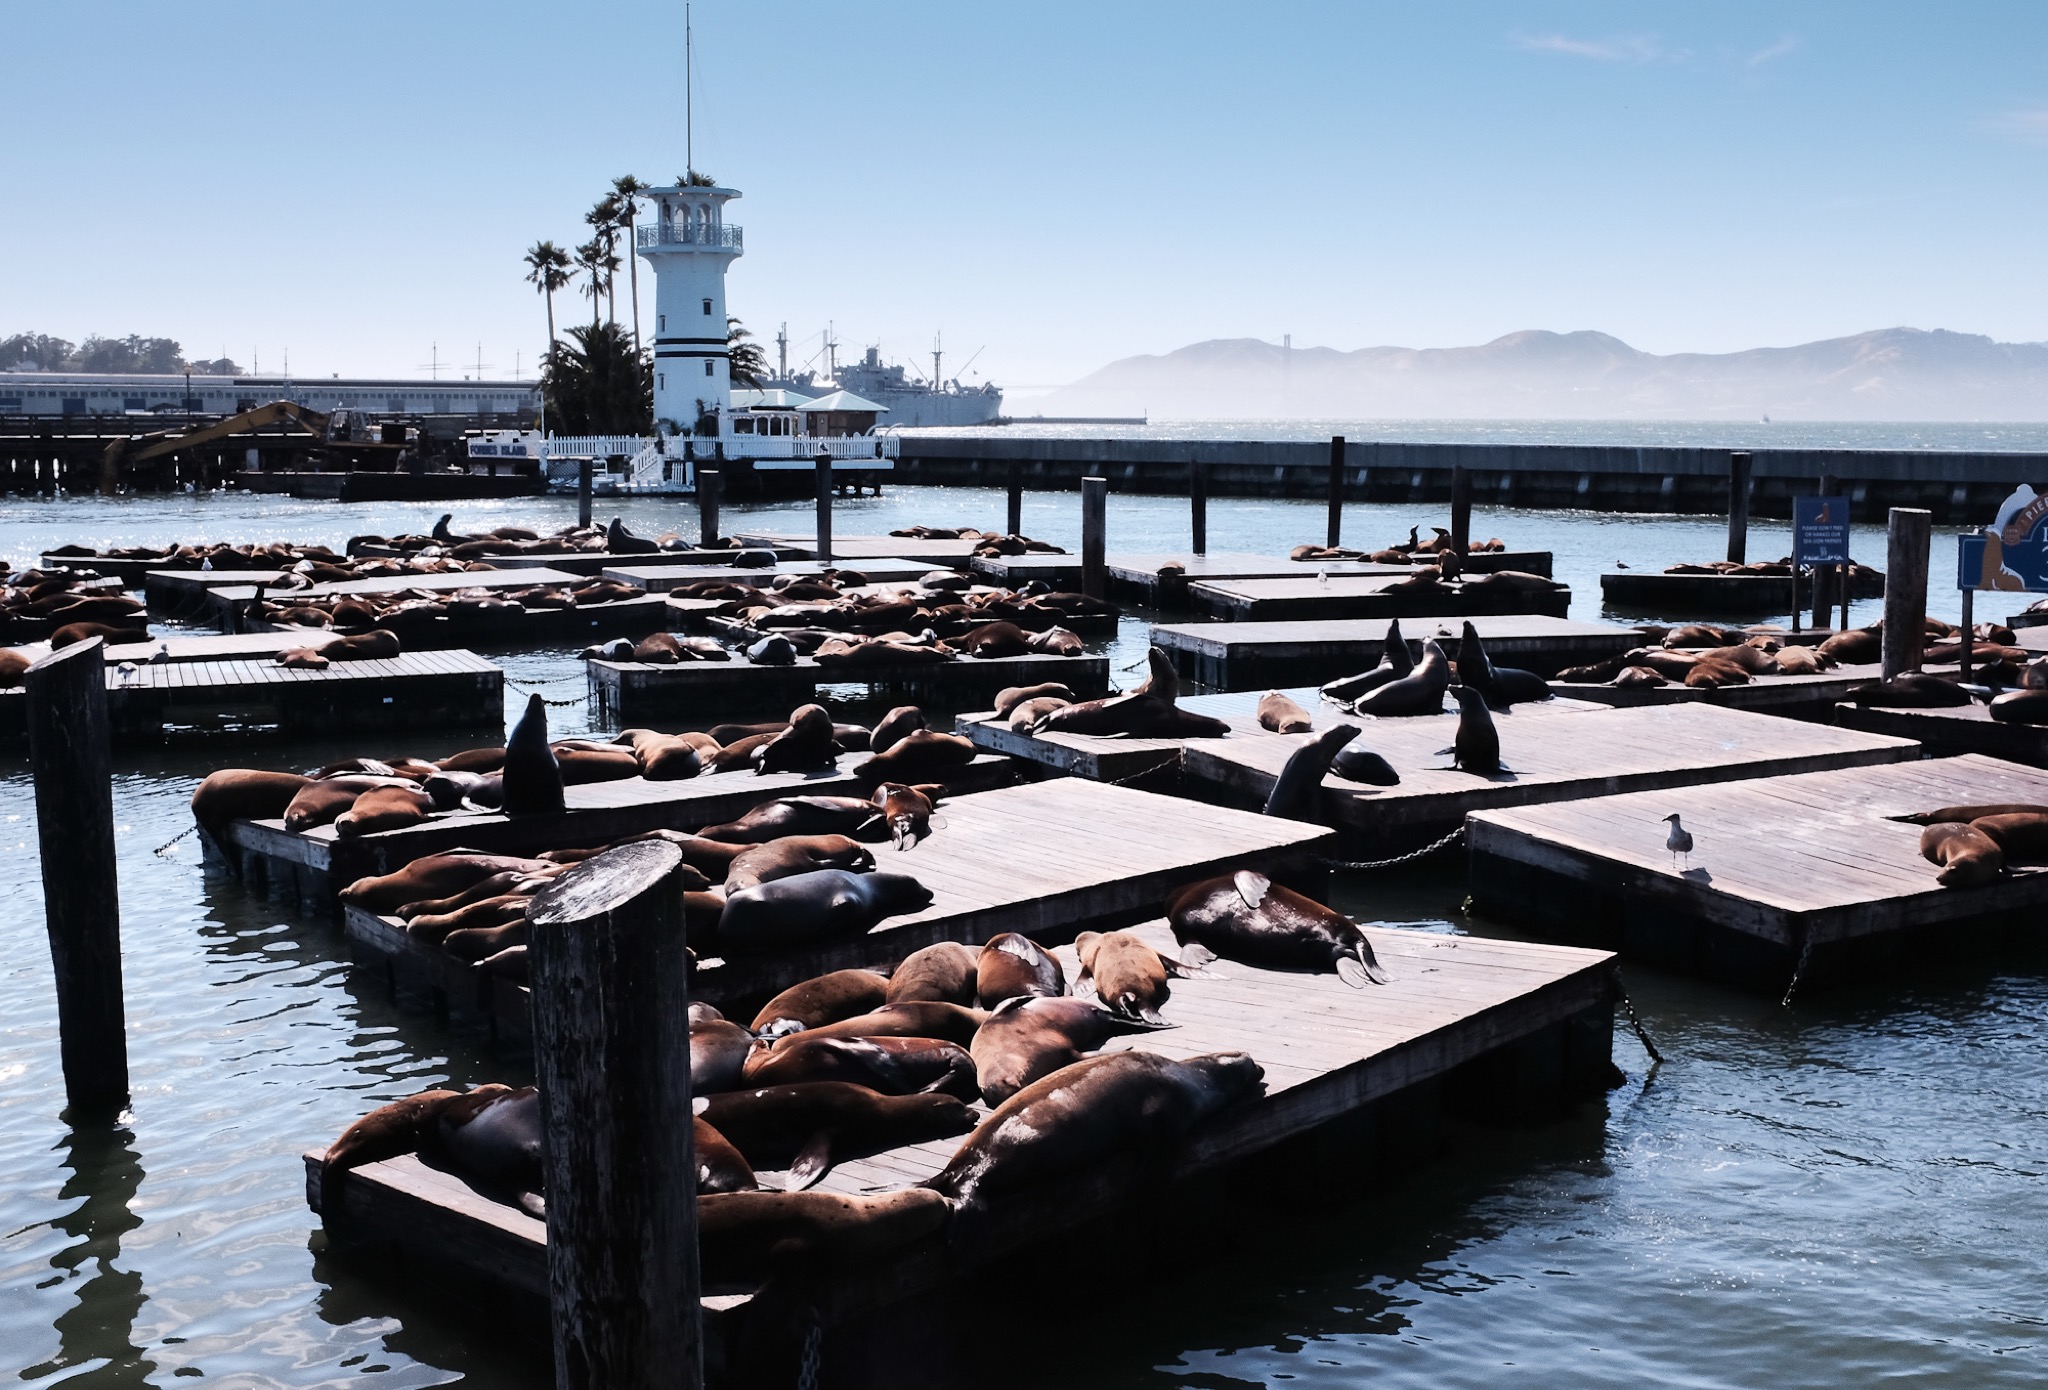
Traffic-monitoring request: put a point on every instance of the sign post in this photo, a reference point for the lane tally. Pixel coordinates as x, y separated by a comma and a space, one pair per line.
1820, 536
2009, 556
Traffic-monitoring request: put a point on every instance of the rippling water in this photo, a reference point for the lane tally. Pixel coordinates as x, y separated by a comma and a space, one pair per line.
1846, 1191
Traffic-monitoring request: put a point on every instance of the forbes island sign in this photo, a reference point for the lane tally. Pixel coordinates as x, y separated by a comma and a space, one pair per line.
2012, 552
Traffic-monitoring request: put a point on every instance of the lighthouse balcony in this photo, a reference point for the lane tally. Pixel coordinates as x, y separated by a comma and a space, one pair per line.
720, 237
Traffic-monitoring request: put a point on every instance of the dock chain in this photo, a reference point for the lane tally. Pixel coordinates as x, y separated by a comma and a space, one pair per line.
1368, 865
807, 1366
165, 847
1798, 969
1171, 760
536, 686
1635, 1022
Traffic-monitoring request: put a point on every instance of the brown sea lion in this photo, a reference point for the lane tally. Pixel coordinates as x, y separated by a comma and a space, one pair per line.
1855, 647
1910, 690
1013, 966
378, 644
71, 634
823, 905
1280, 715
2025, 706
746, 1237
809, 1125
1027, 1037
998, 639
582, 762
13, 664
1026, 716
387, 1131
484, 913
435, 876
667, 757
491, 1135
384, 808
1965, 814
805, 746
1247, 917
720, 1166
795, 854
1008, 700
892, 1066
2021, 836
825, 999
922, 756
474, 944
894, 727
1070, 1121
719, 1050
242, 793
1057, 641
906, 812
795, 815
1969, 857
319, 802
1126, 974
909, 1018
942, 973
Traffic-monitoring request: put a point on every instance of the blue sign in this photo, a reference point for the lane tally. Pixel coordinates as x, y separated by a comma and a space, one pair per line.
1820, 530
2012, 552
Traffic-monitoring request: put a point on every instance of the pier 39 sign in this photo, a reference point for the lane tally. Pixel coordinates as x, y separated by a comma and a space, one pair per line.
2012, 552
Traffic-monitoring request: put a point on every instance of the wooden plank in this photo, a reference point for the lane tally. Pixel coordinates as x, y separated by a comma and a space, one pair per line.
1965, 729
657, 573
1361, 596
1265, 655
637, 692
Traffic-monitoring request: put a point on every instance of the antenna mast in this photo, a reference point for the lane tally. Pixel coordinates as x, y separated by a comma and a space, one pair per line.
782, 352
689, 101
938, 344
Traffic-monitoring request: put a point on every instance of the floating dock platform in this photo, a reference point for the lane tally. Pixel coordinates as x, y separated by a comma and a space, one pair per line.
635, 692
1812, 696
1963, 729
317, 864
1271, 655
1699, 595
851, 550
1033, 859
658, 575
1361, 596
1812, 873
1499, 1031
1139, 575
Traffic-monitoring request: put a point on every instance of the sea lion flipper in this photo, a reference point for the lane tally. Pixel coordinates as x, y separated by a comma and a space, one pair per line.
1194, 957
1151, 1016
813, 1161
1352, 972
1251, 886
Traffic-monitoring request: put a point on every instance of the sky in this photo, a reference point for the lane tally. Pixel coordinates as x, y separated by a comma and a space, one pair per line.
1051, 185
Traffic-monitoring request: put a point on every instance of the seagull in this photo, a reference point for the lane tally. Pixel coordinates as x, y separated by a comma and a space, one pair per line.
1322, 576
1679, 842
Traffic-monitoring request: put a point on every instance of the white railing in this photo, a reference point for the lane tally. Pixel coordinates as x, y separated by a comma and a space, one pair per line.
593, 446
688, 234
797, 449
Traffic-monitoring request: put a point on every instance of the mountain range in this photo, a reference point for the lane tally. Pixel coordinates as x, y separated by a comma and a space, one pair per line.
1887, 374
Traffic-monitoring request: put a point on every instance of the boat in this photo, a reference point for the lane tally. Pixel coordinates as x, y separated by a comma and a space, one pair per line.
911, 402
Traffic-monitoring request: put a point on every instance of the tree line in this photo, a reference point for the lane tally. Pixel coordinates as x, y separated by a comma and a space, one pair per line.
132, 355
594, 379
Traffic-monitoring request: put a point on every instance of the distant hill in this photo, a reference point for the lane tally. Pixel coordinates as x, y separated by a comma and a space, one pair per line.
1889, 374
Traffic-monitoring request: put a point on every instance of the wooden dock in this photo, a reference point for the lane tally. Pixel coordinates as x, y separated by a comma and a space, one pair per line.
1812, 696
1359, 596
190, 594
853, 550
418, 690
1265, 655
1964, 729
1137, 575
1782, 867
1693, 596
658, 575
1355, 1079
315, 865
129, 574
1555, 751
632, 692
1032, 858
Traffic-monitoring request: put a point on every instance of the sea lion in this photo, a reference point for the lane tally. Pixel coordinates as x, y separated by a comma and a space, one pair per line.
720, 1166
809, 1124
1127, 975
1355, 764
1161, 679
825, 999
472, 791
321, 800
1910, 690
1057, 641
773, 650
435, 876
386, 1132
1070, 1121
492, 1135
474, 944
805, 746
942, 973
1969, 857
1030, 1036
2025, 706
748, 1237
919, 756
1502, 686
825, 904
1025, 716
895, 726
1007, 701
532, 775
1476, 749
384, 808
906, 812
1247, 917
909, 1018
1280, 715
667, 757
994, 640
483, 913
892, 1066
795, 854
1965, 814
1855, 647
795, 815
719, 1050
1421, 691
1013, 966
242, 793
1297, 793
13, 664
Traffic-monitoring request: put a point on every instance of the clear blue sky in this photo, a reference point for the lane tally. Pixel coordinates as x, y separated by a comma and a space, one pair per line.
1065, 183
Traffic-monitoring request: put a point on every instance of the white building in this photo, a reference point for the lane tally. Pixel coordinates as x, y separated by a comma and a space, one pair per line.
689, 245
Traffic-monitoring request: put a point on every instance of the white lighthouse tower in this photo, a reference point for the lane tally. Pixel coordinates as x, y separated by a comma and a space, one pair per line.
689, 246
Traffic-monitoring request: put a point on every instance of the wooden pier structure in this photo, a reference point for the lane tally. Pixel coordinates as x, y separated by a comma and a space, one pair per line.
1812, 873
1466, 1027
634, 692
1040, 858
1810, 697
1361, 596
1961, 729
1267, 655
657, 574
853, 550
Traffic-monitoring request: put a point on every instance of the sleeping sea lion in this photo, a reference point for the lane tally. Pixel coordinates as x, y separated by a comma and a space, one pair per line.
719, 1050
1477, 746
242, 793
810, 1124
532, 776
318, 802
473, 791
492, 1136
1013, 966
805, 746
905, 813
1421, 691
435, 876
1355, 764
794, 815
942, 973
1030, 1036
909, 1018
919, 756
2024, 706
892, 1066
748, 1237
384, 808
1969, 857
720, 1166
895, 726
1008, 700
825, 904
795, 854
1128, 975
386, 1132
1910, 690
1966, 814
824, 999
1247, 917
773, 650
1297, 793
1280, 715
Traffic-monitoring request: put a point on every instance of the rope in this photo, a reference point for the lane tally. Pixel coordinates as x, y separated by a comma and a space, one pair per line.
1368, 865
1635, 1022
1798, 969
165, 847
807, 1367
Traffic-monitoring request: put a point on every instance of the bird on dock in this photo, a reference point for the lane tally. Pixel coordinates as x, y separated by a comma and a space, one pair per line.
1679, 842
1322, 576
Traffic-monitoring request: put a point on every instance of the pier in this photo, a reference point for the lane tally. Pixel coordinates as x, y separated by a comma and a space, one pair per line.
1960, 729
1365, 596
635, 692
1245, 655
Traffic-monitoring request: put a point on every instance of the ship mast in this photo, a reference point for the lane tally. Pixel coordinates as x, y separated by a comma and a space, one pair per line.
689, 103
782, 353
938, 343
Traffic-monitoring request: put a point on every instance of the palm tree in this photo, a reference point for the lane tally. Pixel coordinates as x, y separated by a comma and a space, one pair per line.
604, 221
590, 257
547, 270
596, 384
749, 365
627, 190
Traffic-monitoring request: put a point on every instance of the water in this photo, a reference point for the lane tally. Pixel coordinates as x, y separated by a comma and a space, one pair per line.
1845, 1191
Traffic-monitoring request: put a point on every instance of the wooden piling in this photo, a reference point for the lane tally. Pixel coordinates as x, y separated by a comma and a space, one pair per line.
1738, 507
824, 555
1905, 589
67, 733
1336, 527
1013, 518
709, 483
612, 1058
1094, 517
584, 469
1198, 506
1461, 510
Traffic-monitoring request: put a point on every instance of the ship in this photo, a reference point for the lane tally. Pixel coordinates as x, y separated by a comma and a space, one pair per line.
911, 402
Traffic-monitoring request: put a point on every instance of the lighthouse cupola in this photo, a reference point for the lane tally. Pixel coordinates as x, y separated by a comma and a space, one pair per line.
689, 244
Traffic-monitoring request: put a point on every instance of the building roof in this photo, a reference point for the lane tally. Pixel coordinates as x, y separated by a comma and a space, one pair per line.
777, 399
844, 401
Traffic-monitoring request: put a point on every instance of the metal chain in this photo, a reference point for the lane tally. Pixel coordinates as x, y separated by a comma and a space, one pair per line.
1171, 761
1635, 1022
1798, 969
1367, 865
165, 847
814, 1335
535, 685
